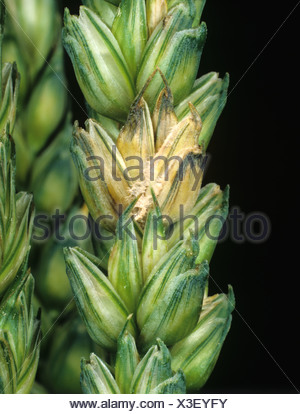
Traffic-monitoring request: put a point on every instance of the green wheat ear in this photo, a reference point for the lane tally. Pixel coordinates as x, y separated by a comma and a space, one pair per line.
41, 126
136, 63
19, 326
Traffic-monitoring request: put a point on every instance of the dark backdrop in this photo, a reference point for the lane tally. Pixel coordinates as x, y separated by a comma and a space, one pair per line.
254, 150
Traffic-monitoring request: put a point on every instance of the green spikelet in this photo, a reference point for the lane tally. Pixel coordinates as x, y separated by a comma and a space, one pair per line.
120, 47
19, 327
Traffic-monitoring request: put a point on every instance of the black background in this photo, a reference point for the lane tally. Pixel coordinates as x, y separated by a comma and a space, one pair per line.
254, 150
